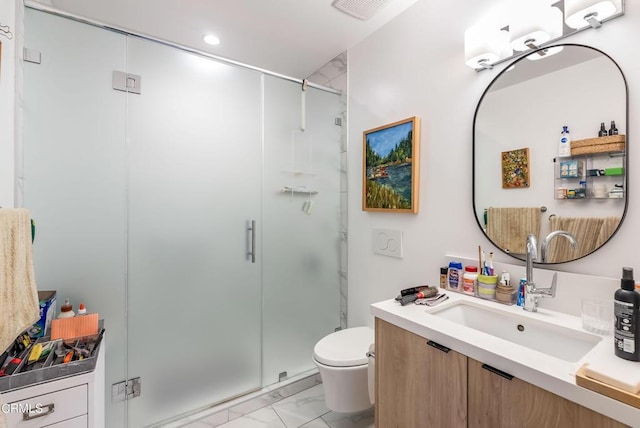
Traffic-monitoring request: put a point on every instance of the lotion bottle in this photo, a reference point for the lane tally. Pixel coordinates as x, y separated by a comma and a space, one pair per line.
564, 148
627, 318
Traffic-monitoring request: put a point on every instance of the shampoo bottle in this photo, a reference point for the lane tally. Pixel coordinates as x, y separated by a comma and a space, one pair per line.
603, 131
564, 148
627, 319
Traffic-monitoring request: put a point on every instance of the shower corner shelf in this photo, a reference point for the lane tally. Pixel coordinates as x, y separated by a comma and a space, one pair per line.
300, 190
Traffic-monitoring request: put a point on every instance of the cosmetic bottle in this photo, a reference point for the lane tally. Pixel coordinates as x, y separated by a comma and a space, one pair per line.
613, 130
454, 276
470, 279
603, 131
521, 291
564, 147
443, 276
626, 306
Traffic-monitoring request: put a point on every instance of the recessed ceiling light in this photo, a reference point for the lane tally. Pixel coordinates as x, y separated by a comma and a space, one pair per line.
212, 40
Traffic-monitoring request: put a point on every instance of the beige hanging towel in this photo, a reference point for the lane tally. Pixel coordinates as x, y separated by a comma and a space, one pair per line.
588, 231
18, 292
609, 226
508, 227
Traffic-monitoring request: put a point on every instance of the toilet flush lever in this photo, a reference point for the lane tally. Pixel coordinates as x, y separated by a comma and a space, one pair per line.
370, 354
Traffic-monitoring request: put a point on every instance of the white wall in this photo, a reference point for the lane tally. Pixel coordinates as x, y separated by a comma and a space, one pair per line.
7, 101
415, 66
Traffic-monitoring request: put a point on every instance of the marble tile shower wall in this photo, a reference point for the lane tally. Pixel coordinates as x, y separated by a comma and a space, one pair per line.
334, 75
344, 236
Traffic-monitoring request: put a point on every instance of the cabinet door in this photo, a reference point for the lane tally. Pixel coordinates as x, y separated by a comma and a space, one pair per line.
495, 401
417, 385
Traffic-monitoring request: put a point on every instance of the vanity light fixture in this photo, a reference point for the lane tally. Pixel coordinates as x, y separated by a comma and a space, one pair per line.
483, 46
545, 53
211, 39
535, 26
584, 13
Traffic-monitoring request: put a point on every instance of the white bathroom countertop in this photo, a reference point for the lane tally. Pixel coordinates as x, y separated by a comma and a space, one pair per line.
545, 371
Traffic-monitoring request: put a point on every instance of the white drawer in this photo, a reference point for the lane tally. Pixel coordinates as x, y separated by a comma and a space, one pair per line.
79, 422
47, 409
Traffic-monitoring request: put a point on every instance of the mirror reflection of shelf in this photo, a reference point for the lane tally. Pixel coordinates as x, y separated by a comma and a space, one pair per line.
595, 168
599, 145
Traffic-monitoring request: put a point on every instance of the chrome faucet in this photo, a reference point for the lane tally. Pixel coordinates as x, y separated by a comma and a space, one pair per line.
532, 293
549, 237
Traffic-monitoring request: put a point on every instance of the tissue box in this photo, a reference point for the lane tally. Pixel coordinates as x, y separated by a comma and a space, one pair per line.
571, 169
48, 308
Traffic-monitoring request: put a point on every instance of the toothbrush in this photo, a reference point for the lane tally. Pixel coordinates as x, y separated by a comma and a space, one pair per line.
491, 263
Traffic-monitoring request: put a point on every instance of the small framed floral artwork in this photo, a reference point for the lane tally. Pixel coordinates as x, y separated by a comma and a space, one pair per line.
515, 169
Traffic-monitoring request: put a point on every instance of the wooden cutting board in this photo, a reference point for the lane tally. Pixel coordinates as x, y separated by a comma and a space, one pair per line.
608, 390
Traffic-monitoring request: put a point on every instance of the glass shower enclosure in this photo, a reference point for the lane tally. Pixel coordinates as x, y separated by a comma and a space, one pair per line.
187, 207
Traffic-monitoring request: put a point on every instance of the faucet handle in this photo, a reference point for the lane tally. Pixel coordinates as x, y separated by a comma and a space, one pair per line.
554, 283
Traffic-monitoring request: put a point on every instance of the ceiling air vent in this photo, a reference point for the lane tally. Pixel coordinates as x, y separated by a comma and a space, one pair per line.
361, 9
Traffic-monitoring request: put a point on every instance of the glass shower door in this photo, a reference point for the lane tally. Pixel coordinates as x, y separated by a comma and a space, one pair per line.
302, 232
72, 176
194, 296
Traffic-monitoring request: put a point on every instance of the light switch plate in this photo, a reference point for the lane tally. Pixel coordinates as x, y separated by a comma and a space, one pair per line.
387, 242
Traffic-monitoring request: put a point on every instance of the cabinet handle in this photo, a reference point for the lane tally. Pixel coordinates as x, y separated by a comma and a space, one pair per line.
438, 346
498, 372
38, 412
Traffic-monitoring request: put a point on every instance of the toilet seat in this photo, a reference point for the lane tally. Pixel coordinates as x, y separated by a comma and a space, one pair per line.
345, 348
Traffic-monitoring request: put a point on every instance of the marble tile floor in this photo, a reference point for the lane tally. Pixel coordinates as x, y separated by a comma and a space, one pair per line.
305, 409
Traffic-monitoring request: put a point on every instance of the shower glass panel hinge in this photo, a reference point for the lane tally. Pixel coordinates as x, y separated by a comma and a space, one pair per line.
31, 55
126, 82
126, 390
338, 121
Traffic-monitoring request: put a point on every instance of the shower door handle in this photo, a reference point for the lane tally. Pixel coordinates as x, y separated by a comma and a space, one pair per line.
252, 241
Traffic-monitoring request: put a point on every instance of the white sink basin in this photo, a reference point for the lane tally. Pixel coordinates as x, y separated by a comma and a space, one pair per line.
551, 339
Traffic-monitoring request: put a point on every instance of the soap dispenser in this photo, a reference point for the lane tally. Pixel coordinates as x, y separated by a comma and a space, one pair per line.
627, 318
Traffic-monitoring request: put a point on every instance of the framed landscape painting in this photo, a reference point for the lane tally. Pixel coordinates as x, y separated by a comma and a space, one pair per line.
390, 167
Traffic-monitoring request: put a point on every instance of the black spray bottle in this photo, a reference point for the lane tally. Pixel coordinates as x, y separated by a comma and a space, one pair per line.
627, 318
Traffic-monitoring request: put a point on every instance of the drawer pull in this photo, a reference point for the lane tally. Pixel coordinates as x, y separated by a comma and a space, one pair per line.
498, 372
438, 346
39, 412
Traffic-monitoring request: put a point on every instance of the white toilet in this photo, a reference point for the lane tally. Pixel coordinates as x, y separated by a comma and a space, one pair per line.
347, 371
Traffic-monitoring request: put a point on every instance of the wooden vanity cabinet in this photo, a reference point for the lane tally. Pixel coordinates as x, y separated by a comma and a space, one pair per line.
417, 385
496, 401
